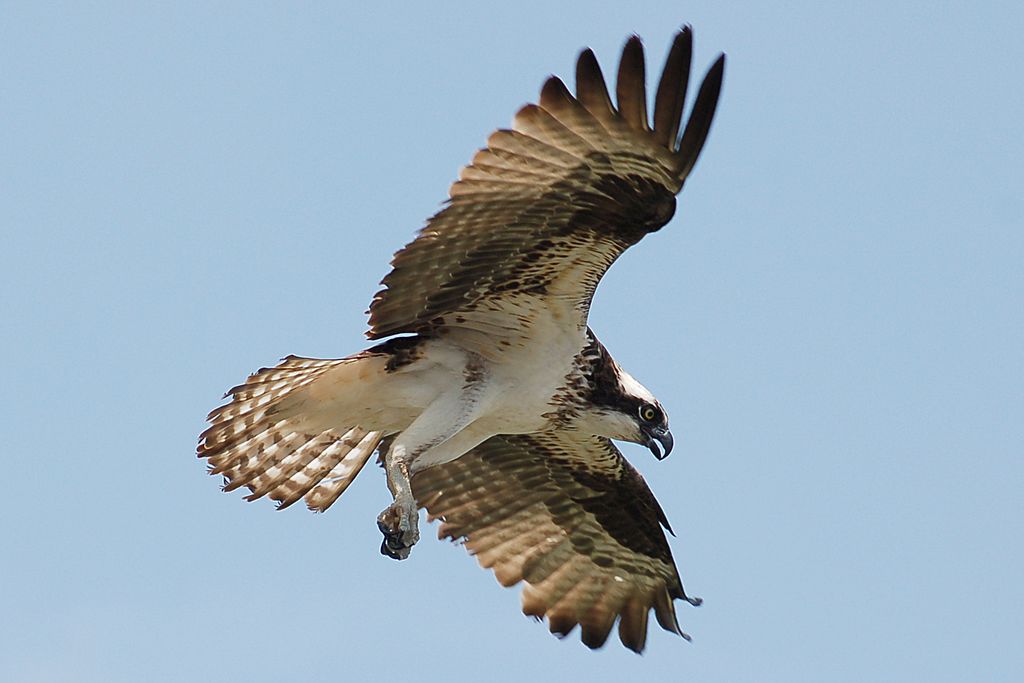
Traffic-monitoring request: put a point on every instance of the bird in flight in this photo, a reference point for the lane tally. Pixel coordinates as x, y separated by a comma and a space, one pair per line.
490, 401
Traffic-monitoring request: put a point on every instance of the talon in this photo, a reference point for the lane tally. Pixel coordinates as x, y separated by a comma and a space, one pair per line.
385, 528
399, 553
400, 532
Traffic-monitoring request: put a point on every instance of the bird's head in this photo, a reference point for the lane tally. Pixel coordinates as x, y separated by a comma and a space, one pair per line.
626, 410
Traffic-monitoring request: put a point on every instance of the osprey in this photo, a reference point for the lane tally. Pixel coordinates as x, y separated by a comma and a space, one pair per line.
490, 401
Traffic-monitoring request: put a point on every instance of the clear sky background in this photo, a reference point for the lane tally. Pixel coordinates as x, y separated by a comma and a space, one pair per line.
834, 321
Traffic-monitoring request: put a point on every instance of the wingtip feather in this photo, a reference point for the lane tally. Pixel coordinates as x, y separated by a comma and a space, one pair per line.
703, 113
671, 95
591, 89
633, 624
554, 96
631, 85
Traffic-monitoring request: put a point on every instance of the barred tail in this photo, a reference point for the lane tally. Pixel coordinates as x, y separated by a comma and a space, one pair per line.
265, 439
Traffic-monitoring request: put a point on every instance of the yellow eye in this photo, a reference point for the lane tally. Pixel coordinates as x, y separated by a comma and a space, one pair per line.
648, 413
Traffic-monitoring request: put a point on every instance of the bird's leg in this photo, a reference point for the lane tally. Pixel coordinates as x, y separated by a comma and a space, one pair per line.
399, 522
443, 419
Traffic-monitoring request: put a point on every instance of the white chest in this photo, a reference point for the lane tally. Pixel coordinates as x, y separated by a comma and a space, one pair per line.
519, 380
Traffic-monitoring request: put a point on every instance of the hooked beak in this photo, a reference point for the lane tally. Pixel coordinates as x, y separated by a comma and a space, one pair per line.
658, 435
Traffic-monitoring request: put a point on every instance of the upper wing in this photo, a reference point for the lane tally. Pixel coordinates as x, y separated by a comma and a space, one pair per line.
569, 516
547, 206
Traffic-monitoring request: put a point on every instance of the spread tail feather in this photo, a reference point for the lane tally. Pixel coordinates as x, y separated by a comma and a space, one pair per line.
260, 441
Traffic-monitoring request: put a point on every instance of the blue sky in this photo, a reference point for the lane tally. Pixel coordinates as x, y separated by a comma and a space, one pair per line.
833, 320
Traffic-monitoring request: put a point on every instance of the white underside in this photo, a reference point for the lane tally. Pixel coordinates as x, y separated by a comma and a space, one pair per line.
457, 394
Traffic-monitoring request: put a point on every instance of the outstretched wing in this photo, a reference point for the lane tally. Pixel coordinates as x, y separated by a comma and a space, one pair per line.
543, 211
566, 514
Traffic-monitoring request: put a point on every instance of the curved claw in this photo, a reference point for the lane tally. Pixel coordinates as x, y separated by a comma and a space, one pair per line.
395, 553
400, 529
